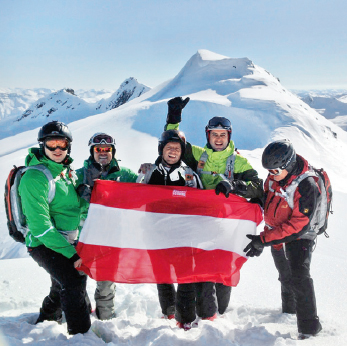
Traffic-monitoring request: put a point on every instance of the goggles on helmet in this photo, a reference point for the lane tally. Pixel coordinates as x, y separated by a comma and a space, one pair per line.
57, 143
219, 122
276, 171
103, 149
101, 139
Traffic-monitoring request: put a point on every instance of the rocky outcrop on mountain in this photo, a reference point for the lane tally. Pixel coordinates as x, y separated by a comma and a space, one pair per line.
129, 90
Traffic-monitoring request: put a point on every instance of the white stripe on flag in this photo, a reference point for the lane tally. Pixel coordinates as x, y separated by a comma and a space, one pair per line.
126, 228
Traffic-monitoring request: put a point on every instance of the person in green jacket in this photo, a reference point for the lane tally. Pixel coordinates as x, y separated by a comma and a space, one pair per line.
53, 227
219, 166
102, 164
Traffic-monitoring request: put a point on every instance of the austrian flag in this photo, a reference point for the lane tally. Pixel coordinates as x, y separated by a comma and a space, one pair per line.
137, 233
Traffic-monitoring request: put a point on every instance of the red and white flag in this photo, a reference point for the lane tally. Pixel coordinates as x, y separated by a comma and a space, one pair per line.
137, 233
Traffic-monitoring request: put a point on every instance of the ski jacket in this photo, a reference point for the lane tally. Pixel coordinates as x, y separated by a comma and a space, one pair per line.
284, 224
176, 175
112, 172
53, 225
216, 162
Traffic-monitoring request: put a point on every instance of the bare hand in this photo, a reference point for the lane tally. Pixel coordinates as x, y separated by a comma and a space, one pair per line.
78, 263
144, 168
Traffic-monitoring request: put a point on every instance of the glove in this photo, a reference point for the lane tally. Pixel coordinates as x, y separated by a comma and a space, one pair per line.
224, 187
175, 107
92, 173
239, 187
255, 247
85, 192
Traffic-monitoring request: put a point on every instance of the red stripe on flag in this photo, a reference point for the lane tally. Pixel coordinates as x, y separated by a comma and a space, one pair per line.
175, 265
173, 200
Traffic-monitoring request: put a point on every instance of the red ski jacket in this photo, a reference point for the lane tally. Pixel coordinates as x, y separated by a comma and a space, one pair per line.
284, 224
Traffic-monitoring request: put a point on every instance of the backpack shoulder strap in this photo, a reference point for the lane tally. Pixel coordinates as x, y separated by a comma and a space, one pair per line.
288, 193
229, 168
191, 178
48, 174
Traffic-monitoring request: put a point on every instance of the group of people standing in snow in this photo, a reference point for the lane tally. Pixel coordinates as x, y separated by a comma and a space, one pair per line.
54, 227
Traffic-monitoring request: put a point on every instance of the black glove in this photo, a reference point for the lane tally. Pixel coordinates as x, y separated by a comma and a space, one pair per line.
92, 173
255, 247
85, 192
224, 187
239, 187
175, 107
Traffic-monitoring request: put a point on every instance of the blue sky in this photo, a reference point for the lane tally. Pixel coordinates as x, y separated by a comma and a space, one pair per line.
98, 44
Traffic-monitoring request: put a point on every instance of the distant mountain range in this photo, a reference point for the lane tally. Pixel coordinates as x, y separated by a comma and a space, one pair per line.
332, 104
23, 110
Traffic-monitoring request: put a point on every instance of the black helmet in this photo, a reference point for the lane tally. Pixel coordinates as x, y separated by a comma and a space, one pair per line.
54, 129
279, 154
218, 123
101, 138
172, 136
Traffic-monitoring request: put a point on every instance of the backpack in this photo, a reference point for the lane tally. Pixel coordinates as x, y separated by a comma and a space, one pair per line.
319, 221
16, 221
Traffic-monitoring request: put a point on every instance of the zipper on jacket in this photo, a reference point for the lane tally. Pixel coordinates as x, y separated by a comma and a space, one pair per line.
268, 205
278, 203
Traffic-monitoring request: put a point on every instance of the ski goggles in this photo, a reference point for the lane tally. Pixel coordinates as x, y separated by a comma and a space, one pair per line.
103, 149
57, 143
101, 139
276, 171
219, 121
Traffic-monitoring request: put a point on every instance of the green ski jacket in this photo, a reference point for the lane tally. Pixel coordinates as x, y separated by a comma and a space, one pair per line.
216, 162
113, 172
44, 219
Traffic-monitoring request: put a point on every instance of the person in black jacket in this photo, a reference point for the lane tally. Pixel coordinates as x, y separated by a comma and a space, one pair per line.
169, 170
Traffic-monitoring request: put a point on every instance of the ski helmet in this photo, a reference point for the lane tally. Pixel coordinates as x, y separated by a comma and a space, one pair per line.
172, 136
279, 154
218, 123
101, 138
54, 129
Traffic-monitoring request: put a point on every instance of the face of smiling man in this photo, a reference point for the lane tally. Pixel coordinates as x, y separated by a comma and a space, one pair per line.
219, 139
102, 157
172, 153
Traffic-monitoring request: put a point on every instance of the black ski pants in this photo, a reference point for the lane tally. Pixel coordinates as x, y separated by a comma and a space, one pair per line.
293, 265
190, 300
71, 284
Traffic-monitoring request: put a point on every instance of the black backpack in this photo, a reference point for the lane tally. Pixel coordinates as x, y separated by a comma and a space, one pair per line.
16, 221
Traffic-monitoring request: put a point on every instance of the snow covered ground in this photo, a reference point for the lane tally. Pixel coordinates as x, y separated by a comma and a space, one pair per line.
261, 110
253, 318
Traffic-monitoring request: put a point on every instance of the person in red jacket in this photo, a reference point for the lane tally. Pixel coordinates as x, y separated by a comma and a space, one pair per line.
288, 222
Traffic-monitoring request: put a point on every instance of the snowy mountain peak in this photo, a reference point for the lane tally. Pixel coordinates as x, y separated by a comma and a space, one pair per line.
62, 101
205, 54
208, 70
205, 63
127, 91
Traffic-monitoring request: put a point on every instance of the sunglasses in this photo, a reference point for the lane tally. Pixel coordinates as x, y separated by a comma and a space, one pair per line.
53, 144
103, 150
102, 139
276, 171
